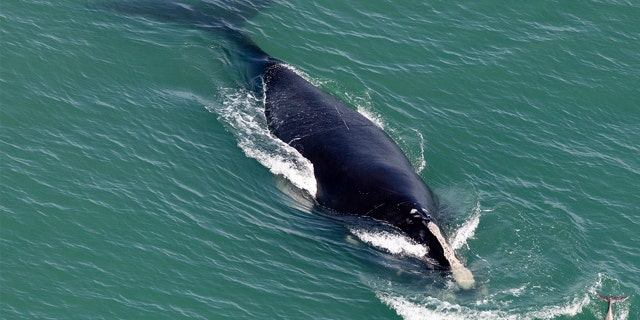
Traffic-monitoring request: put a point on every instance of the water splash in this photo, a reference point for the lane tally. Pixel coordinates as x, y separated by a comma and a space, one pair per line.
394, 243
490, 306
467, 230
418, 308
421, 163
376, 119
243, 112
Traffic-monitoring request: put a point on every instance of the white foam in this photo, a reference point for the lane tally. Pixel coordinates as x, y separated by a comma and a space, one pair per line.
571, 308
516, 292
244, 113
467, 230
376, 119
435, 309
418, 307
422, 163
393, 243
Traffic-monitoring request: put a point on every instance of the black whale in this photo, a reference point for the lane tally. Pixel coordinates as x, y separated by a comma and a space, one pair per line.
358, 168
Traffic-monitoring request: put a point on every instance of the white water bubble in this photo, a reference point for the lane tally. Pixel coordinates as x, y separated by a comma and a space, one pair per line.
393, 243
243, 112
467, 230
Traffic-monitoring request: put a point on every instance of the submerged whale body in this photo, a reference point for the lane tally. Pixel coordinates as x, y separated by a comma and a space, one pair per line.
359, 169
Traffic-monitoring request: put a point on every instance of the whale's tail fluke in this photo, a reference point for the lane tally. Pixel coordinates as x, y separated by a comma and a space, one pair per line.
611, 300
210, 14
225, 18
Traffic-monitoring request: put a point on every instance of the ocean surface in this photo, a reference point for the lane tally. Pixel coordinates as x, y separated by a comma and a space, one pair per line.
139, 181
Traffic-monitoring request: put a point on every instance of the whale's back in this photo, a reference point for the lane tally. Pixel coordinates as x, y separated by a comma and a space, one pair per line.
358, 167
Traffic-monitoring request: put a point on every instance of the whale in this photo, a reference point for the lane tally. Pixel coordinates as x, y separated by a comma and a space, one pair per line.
611, 300
359, 169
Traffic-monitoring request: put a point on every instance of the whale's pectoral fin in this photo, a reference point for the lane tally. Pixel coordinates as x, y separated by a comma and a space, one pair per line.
461, 275
421, 226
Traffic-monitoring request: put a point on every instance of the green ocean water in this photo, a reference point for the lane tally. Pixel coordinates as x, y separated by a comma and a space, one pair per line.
138, 179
